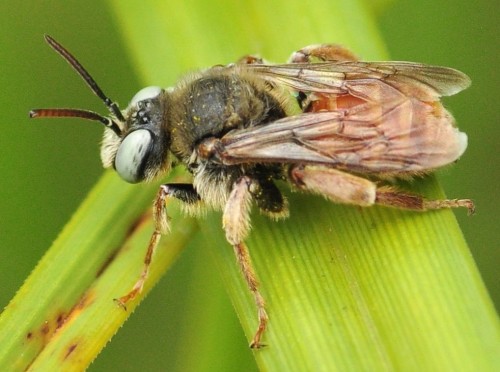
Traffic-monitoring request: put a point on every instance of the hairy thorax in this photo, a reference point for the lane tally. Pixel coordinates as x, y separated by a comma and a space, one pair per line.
217, 102
211, 106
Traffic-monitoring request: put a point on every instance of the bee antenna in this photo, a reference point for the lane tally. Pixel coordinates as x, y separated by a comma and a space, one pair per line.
112, 106
76, 113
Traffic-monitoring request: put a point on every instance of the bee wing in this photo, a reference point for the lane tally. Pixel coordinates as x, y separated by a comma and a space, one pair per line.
353, 77
399, 126
393, 137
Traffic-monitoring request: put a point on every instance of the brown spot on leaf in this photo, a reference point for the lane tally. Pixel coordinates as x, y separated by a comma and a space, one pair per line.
45, 328
71, 348
60, 320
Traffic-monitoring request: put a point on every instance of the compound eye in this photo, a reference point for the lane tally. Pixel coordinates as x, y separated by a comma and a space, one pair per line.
145, 93
132, 154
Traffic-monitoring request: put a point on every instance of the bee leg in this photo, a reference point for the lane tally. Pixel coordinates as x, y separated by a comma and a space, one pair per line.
341, 187
269, 199
388, 196
184, 192
322, 53
236, 224
338, 186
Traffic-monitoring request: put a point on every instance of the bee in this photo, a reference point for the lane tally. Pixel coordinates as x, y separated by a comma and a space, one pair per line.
324, 122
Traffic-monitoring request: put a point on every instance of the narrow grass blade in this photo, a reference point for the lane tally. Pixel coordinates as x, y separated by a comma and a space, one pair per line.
64, 314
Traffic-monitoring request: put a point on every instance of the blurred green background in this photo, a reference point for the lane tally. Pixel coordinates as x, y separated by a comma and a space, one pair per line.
47, 167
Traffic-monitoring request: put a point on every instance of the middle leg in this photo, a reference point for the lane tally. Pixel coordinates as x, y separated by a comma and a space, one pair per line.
236, 224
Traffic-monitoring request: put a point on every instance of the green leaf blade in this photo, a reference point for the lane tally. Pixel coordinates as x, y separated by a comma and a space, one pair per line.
359, 289
64, 314
347, 289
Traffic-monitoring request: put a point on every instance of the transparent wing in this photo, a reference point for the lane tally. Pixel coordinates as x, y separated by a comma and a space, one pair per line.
396, 125
356, 78
394, 137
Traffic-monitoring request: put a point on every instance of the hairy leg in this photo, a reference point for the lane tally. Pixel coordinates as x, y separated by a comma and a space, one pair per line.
341, 187
183, 192
236, 223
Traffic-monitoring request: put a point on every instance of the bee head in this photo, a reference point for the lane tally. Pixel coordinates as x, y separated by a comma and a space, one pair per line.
140, 151
135, 141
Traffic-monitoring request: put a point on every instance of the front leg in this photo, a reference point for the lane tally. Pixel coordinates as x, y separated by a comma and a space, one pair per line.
181, 191
236, 224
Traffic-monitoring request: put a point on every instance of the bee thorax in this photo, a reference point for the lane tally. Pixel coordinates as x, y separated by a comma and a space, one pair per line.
213, 104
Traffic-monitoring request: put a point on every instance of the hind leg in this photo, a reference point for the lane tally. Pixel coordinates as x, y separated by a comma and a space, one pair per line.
345, 188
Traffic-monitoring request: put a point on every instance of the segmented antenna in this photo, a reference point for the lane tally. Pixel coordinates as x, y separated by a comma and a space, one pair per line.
75, 113
78, 113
